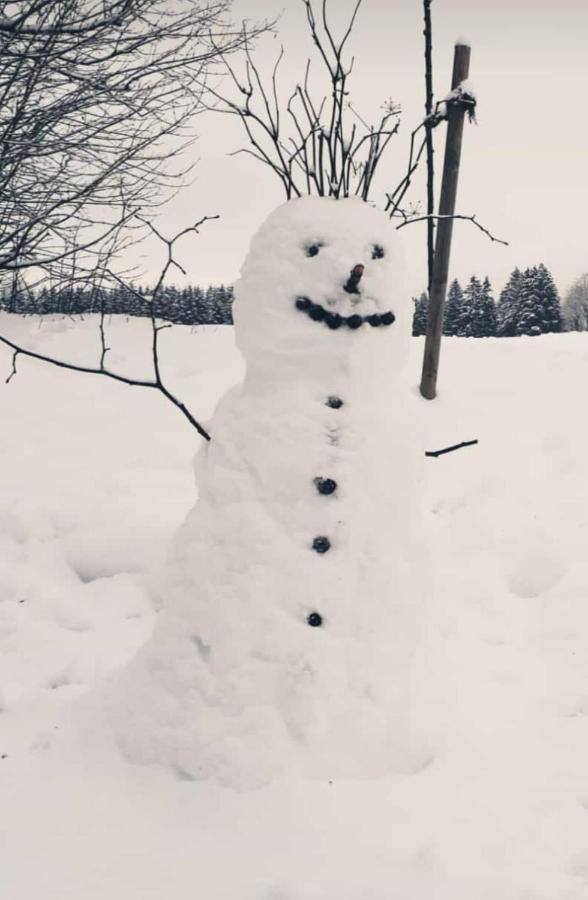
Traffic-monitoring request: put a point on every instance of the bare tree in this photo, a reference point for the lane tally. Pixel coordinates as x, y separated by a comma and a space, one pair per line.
429, 125
315, 143
96, 97
575, 305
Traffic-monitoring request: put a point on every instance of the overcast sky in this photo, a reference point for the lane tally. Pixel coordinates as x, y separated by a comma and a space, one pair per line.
523, 166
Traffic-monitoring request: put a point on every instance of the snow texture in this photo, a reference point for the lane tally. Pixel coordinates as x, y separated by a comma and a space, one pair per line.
242, 680
467, 87
500, 812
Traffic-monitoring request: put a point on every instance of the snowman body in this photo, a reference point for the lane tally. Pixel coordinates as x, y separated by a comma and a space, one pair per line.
290, 605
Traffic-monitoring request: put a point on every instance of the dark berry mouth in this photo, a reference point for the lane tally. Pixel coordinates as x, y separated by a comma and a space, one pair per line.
333, 320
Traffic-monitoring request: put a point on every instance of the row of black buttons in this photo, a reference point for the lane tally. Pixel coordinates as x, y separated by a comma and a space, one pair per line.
324, 486
334, 320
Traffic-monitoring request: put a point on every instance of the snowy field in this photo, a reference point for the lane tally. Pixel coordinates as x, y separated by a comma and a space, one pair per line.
96, 476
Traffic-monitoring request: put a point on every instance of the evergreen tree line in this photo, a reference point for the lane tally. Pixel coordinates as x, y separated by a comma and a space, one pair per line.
528, 304
184, 306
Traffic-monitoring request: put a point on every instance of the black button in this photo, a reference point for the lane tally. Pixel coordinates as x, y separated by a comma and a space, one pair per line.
334, 402
354, 321
321, 544
387, 318
325, 485
303, 303
315, 620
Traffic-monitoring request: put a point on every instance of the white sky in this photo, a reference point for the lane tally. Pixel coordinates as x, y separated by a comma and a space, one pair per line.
523, 167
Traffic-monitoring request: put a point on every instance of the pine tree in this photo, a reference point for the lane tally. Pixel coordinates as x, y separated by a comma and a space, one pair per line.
482, 322
551, 315
508, 304
225, 302
528, 317
419, 318
471, 298
539, 310
529, 304
453, 309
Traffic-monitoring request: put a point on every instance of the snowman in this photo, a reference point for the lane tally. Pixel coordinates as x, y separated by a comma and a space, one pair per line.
290, 604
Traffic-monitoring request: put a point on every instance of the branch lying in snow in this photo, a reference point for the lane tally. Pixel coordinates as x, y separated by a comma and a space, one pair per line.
409, 221
437, 453
157, 381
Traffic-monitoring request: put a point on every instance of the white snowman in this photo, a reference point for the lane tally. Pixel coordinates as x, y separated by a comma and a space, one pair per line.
290, 606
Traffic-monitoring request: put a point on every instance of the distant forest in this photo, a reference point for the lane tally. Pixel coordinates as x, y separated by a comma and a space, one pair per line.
528, 304
190, 305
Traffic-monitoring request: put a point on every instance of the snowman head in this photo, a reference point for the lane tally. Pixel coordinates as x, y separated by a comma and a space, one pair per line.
323, 276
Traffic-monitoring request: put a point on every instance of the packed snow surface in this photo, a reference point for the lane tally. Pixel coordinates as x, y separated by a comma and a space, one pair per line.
95, 479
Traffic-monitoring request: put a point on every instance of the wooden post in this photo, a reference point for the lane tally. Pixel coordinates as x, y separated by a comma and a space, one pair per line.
455, 117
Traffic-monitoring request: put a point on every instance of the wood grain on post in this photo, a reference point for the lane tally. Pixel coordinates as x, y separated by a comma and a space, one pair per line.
455, 117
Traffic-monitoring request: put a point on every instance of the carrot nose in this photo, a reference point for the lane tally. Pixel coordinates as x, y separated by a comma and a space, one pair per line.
354, 278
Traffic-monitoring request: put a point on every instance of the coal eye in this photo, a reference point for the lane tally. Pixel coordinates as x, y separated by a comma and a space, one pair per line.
313, 249
377, 251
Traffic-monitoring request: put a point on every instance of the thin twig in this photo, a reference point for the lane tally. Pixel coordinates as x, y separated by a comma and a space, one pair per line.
436, 453
157, 381
472, 219
323, 155
13, 372
428, 33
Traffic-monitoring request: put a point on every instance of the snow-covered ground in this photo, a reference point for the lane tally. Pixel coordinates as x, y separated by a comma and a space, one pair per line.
95, 478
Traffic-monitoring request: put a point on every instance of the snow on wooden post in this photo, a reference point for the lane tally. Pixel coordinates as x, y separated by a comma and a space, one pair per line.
455, 117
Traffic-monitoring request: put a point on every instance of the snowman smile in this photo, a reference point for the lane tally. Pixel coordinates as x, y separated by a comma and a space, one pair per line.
334, 320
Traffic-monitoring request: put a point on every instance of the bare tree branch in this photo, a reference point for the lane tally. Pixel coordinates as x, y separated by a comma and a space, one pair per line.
409, 221
156, 381
97, 100
313, 149
428, 33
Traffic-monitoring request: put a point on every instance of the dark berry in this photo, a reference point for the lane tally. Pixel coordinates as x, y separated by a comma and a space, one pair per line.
316, 312
313, 250
334, 402
303, 303
377, 251
321, 544
354, 321
387, 318
333, 320
315, 620
325, 485
374, 320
